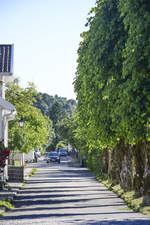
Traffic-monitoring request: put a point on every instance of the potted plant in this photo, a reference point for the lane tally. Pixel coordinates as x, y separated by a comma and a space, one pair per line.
4, 154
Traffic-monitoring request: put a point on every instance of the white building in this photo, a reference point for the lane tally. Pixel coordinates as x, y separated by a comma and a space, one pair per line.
7, 110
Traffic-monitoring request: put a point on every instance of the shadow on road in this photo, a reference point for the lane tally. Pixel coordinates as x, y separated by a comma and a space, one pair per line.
81, 221
72, 195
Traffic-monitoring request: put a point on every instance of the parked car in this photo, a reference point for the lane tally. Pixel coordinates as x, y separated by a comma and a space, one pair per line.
53, 157
62, 152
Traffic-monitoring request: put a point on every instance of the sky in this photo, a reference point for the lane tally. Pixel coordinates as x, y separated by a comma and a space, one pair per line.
46, 37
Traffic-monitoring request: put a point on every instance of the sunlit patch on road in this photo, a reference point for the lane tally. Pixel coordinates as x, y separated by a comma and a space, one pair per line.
61, 194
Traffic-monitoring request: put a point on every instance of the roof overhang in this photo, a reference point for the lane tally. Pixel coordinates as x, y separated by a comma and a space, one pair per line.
6, 105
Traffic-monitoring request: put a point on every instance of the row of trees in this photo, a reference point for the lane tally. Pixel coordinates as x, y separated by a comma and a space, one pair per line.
113, 73
112, 84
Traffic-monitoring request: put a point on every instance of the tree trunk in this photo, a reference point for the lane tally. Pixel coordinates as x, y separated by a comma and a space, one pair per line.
126, 175
146, 176
113, 167
139, 159
120, 166
104, 160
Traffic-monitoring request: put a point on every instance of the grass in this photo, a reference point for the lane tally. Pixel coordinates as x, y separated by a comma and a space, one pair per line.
17, 163
6, 204
145, 210
132, 202
2, 213
32, 172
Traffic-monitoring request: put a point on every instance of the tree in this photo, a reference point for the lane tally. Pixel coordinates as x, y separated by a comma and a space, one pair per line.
56, 113
57, 109
45, 102
99, 71
134, 101
36, 128
113, 79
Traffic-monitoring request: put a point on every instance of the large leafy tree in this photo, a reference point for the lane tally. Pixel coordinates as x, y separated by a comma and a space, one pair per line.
36, 128
113, 85
99, 70
112, 81
134, 101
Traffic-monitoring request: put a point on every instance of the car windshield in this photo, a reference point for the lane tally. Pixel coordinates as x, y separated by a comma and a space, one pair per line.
62, 150
53, 154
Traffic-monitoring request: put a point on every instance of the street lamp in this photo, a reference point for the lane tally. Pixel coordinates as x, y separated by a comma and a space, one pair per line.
21, 121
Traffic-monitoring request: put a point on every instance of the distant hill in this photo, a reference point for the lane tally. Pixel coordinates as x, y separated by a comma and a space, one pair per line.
45, 103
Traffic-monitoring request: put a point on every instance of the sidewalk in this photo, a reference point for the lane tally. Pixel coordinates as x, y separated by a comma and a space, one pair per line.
12, 188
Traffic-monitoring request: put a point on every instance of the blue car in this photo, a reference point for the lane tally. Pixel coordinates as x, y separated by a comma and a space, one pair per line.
62, 152
53, 157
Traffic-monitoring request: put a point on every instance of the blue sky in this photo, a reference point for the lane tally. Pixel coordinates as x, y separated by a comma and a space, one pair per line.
46, 36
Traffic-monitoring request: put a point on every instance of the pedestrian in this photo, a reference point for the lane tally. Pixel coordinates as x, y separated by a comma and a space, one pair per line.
35, 156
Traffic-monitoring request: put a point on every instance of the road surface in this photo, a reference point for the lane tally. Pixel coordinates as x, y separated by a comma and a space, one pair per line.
62, 194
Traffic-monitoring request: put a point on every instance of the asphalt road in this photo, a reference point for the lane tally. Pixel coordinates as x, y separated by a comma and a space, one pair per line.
62, 194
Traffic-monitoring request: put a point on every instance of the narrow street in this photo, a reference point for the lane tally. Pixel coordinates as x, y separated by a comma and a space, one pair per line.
62, 194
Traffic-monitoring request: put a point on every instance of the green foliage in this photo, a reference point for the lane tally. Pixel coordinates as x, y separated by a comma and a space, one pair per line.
45, 103
6, 204
69, 133
145, 210
36, 128
56, 113
76, 135
63, 128
58, 109
134, 94
94, 162
33, 171
61, 144
133, 203
112, 80
98, 69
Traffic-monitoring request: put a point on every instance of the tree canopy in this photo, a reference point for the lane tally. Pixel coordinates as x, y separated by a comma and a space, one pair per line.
58, 109
37, 127
112, 78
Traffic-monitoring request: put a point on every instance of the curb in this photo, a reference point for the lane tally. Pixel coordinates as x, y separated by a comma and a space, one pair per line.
12, 188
